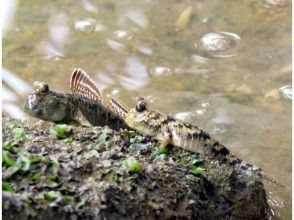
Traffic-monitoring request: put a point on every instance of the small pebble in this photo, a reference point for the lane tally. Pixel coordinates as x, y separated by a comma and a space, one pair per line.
123, 35
85, 25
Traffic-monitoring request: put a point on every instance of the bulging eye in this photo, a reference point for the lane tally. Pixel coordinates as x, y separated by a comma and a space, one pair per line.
45, 88
41, 88
141, 106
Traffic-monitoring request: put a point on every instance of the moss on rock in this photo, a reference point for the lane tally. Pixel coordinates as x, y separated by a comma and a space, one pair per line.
82, 176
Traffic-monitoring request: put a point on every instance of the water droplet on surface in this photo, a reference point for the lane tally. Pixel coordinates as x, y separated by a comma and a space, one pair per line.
161, 71
200, 111
286, 92
199, 59
184, 115
220, 44
145, 50
85, 25
205, 104
119, 47
123, 35
114, 92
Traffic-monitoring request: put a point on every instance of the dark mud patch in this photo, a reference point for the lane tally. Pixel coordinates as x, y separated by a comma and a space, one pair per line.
96, 173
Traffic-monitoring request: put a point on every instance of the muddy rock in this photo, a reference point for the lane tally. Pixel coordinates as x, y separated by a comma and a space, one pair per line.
65, 172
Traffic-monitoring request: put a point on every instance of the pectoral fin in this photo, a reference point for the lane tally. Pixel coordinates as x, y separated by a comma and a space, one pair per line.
81, 120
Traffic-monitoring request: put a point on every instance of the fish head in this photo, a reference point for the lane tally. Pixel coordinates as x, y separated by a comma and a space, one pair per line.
45, 104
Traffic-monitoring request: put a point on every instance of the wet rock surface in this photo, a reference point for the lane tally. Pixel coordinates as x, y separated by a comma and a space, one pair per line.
96, 173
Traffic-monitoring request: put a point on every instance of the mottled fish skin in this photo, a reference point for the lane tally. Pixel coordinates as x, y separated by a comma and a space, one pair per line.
169, 130
64, 108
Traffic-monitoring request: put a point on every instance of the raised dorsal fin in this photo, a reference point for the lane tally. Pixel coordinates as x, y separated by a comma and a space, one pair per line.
82, 84
118, 107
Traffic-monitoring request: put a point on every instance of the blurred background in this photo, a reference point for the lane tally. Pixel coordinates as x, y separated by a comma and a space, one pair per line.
222, 65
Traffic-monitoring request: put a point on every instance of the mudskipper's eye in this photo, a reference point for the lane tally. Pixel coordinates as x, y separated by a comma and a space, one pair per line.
141, 106
45, 88
41, 88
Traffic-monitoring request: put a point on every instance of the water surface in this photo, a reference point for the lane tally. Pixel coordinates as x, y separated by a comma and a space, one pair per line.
237, 88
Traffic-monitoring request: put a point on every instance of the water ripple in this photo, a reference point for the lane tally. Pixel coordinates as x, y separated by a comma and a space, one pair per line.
220, 44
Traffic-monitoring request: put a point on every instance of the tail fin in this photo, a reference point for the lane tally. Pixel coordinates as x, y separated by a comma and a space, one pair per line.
82, 84
270, 179
118, 107
260, 173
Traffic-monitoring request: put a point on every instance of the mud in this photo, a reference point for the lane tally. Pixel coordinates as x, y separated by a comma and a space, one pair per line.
81, 174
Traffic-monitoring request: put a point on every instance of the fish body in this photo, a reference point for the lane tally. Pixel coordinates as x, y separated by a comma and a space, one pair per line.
86, 100
168, 130
69, 108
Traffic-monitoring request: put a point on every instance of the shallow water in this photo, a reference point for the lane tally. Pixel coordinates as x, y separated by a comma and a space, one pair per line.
230, 87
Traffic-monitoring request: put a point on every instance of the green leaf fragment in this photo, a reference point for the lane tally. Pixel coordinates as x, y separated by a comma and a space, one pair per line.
68, 199
90, 154
37, 177
15, 168
36, 160
60, 131
6, 158
20, 134
8, 145
83, 203
25, 163
52, 196
132, 165
67, 141
197, 170
196, 162
191, 177
7, 187
164, 150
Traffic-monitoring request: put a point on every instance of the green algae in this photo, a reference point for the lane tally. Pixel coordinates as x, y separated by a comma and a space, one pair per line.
60, 131
132, 165
7, 187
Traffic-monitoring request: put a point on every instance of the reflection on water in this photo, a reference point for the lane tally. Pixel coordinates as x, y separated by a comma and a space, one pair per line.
89, 6
235, 83
18, 85
18, 89
54, 47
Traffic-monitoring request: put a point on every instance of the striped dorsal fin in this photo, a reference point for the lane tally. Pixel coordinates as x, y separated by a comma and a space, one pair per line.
82, 84
118, 107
